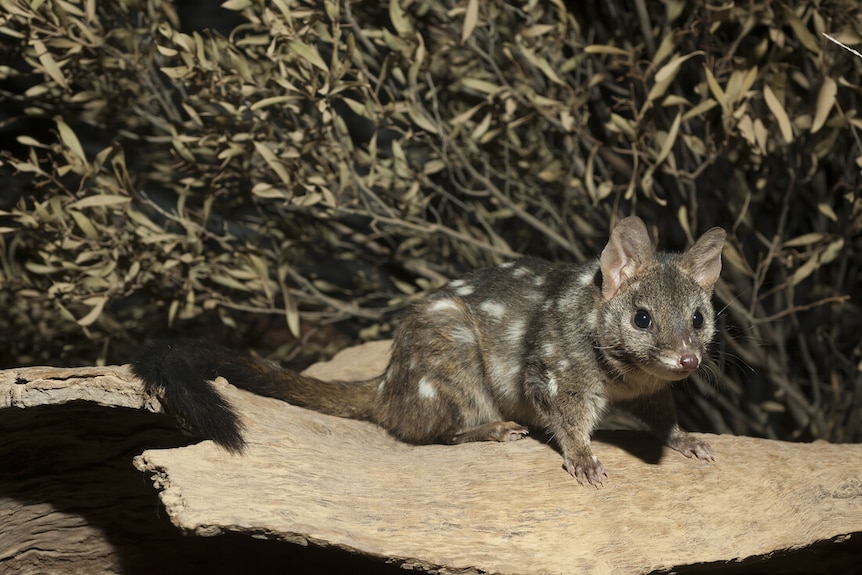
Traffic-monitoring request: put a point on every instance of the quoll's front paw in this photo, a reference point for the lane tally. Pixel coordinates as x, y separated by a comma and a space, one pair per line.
690, 446
586, 468
511, 431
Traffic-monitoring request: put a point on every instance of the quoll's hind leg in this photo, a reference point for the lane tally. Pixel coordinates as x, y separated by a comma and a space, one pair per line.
494, 431
433, 390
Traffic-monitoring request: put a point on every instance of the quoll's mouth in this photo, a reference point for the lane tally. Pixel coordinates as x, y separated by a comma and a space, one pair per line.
676, 368
679, 373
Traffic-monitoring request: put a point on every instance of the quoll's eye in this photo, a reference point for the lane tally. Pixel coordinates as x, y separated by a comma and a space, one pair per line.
697, 320
643, 319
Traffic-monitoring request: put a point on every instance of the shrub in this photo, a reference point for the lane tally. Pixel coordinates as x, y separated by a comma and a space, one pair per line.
335, 160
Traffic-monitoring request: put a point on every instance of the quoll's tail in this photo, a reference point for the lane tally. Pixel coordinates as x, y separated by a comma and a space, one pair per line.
179, 372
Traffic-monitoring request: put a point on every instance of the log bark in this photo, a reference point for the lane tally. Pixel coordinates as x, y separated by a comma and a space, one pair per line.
71, 502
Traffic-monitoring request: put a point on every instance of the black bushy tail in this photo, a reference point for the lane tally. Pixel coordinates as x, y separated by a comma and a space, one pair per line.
178, 372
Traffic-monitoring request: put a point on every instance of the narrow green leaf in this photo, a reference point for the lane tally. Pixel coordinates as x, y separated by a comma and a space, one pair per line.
94, 313
68, 137
236, 5
100, 200
49, 64
825, 101
273, 162
309, 54
669, 140
778, 111
399, 20
471, 18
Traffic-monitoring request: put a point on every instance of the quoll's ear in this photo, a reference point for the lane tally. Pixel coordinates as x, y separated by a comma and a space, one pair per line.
628, 252
703, 260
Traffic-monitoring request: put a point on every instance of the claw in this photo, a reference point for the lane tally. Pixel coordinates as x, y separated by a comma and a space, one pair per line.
586, 469
692, 447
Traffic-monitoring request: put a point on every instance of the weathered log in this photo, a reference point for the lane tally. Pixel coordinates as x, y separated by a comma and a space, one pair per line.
70, 501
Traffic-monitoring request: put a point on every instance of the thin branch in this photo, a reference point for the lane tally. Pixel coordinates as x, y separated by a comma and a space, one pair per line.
799, 308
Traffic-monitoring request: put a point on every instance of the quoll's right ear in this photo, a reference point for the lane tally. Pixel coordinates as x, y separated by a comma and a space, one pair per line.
703, 260
629, 251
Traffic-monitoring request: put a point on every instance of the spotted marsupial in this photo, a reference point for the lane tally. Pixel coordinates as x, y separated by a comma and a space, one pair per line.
526, 344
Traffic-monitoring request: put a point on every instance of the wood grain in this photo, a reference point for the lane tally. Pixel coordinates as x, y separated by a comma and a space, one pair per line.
483, 507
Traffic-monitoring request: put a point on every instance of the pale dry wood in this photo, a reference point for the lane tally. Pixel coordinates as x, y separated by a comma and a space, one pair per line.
111, 386
499, 508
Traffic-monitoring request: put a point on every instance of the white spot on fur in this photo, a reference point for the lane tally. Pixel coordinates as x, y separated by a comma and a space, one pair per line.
463, 335
520, 272
465, 290
456, 283
503, 374
567, 302
549, 349
443, 305
493, 308
586, 277
563, 365
427, 389
515, 331
514, 372
552, 385
534, 296
539, 281
506, 265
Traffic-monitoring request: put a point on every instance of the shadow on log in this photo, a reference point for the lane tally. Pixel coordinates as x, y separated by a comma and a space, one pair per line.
317, 493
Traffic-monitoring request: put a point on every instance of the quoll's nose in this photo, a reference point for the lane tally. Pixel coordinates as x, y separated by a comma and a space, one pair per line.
688, 361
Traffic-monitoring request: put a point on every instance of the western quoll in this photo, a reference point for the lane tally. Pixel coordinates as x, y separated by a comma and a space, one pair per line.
525, 344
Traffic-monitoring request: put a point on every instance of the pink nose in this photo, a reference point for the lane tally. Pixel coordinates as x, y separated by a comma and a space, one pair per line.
688, 361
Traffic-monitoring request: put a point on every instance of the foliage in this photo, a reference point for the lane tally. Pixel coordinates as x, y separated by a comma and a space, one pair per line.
333, 160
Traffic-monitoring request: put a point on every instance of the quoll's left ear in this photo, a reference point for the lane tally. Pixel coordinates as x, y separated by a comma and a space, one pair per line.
703, 260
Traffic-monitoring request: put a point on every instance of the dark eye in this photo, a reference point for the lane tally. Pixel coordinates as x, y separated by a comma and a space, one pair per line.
697, 320
642, 319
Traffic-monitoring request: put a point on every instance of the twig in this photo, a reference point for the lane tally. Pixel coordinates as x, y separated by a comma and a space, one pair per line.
845, 46
798, 308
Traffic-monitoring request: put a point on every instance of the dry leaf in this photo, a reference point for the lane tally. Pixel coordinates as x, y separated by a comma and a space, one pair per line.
780, 114
825, 101
471, 18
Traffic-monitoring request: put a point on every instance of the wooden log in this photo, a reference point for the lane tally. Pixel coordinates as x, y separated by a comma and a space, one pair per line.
69, 497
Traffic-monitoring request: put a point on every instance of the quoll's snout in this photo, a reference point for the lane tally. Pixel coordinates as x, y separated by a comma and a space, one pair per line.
688, 361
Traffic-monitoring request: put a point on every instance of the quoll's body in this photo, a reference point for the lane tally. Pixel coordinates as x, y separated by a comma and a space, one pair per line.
524, 344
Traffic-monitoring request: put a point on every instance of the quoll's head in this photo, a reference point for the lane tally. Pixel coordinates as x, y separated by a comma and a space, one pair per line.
658, 316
